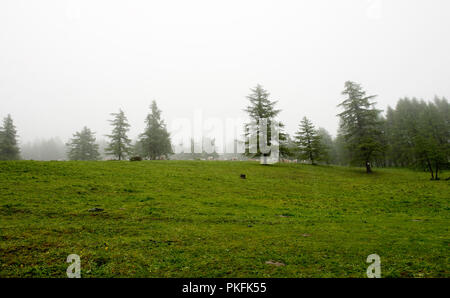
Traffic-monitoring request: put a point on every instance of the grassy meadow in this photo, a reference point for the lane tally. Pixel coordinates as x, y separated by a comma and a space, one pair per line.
200, 219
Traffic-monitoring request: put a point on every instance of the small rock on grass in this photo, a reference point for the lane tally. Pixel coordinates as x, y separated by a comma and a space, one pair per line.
277, 264
95, 209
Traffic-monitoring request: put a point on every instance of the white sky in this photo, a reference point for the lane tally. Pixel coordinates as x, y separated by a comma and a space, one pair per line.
69, 63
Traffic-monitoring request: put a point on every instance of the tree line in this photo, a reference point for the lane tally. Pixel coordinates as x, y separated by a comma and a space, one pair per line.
153, 143
414, 134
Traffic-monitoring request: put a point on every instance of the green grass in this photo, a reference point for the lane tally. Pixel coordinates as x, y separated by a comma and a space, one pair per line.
199, 219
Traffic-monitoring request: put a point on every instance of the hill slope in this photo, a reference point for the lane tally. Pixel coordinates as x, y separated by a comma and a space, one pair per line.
200, 219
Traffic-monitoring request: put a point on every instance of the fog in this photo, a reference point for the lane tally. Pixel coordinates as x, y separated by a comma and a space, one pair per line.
66, 64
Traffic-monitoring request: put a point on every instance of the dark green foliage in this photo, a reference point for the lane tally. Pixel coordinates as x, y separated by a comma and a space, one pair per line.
361, 126
120, 145
261, 107
82, 146
260, 104
155, 141
418, 134
309, 142
136, 158
9, 150
414, 134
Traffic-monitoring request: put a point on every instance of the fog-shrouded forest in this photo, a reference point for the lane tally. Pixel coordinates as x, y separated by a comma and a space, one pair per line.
415, 133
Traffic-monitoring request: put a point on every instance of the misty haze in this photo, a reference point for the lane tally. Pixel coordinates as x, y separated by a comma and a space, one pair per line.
224, 139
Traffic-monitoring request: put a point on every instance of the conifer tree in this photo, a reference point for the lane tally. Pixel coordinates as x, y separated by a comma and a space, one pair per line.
261, 107
155, 140
120, 144
83, 146
309, 142
9, 149
360, 125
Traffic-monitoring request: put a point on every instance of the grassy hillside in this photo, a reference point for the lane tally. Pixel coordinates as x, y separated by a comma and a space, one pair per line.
199, 219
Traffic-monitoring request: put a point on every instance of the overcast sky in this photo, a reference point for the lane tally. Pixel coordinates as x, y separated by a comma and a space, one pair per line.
65, 64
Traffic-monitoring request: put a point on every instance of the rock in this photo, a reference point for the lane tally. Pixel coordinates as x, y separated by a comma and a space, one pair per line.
284, 215
277, 264
95, 210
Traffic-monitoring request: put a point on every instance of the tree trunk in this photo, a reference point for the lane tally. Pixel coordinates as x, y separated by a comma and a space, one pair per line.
437, 169
430, 168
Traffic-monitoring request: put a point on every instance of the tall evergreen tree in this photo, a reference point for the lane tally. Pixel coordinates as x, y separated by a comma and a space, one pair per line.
360, 125
261, 107
309, 142
120, 144
9, 150
155, 140
83, 146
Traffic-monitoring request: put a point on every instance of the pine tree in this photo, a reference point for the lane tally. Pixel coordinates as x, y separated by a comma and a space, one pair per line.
120, 145
9, 150
261, 107
155, 140
360, 125
309, 142
82, 146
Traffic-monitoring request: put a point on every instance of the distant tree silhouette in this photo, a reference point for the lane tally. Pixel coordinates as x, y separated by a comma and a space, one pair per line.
309, 142
9, 150
82, 146
155, 141
120, 144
